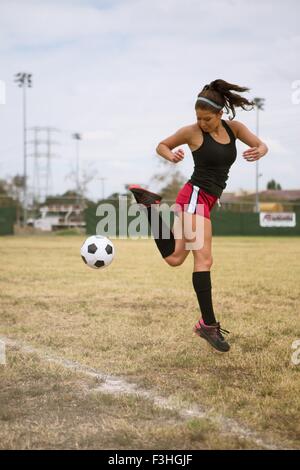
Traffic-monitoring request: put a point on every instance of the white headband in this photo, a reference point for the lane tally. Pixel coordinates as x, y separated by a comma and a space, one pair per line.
215, 105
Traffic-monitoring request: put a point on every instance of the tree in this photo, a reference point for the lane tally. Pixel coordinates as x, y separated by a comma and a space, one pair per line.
171, 189
68, 197
171, 178
85, 178
3, 190
13, 188
273, 185
16, 187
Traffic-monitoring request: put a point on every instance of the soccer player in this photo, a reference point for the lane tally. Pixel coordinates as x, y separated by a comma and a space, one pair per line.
212, 141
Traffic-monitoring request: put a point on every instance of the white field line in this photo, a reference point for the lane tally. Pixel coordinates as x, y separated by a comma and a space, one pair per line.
118, 385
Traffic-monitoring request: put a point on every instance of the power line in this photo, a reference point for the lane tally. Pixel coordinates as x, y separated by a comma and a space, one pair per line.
43, 155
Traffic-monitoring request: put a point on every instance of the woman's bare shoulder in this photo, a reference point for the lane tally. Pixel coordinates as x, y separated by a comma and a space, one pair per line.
189, 131
180, 137
234, 126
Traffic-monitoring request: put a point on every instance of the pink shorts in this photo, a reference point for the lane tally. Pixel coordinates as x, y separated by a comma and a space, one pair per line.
195, 200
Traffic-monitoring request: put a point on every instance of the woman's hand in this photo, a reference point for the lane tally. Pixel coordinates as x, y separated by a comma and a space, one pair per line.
178, 155
252, 154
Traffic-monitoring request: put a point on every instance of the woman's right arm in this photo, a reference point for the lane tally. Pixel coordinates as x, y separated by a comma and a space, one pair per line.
165, 147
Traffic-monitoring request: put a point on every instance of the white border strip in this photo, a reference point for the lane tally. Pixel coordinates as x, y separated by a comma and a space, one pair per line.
193, 202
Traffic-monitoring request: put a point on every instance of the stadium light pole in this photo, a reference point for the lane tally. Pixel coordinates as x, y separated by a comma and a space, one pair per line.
77, 137
24, 80
259, 104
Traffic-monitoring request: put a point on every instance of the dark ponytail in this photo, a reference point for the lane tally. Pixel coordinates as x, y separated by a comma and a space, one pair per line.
219, 92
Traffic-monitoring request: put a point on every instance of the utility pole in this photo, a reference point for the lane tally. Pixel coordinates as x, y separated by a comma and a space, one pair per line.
24, 81
259, 104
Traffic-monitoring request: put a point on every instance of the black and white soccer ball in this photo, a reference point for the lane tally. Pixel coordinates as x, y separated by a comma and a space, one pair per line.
97, 252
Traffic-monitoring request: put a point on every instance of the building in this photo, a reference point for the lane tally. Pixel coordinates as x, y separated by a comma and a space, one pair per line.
61, 212
270, 200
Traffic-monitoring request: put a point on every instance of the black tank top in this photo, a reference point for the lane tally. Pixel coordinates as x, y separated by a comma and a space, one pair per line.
212, 162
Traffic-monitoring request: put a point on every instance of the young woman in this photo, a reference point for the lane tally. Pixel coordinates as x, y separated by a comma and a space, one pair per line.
212, 141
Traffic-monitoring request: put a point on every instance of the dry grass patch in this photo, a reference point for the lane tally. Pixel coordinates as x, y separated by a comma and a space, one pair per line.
43, 406
135, 318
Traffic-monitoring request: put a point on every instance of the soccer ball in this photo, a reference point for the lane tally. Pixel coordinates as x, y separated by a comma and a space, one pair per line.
97, 252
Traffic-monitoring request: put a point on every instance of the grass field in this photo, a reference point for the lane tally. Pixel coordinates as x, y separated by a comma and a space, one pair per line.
134, 320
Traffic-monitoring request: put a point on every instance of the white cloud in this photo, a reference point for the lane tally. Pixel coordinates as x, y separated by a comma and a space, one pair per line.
97, 135
275, 147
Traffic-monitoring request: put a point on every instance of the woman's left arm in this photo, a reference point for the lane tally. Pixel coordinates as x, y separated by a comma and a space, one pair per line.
257, 148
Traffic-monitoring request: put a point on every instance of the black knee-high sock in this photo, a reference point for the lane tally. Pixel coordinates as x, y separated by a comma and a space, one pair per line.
163, 235
202, 286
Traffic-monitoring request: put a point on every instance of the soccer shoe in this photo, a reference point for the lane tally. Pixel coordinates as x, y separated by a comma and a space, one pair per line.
143, 196
212, 334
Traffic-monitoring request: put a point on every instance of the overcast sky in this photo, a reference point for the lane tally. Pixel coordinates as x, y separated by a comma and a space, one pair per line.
126, 74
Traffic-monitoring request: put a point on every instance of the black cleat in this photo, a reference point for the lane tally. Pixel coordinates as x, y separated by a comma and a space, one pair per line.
143, 196
212, 334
